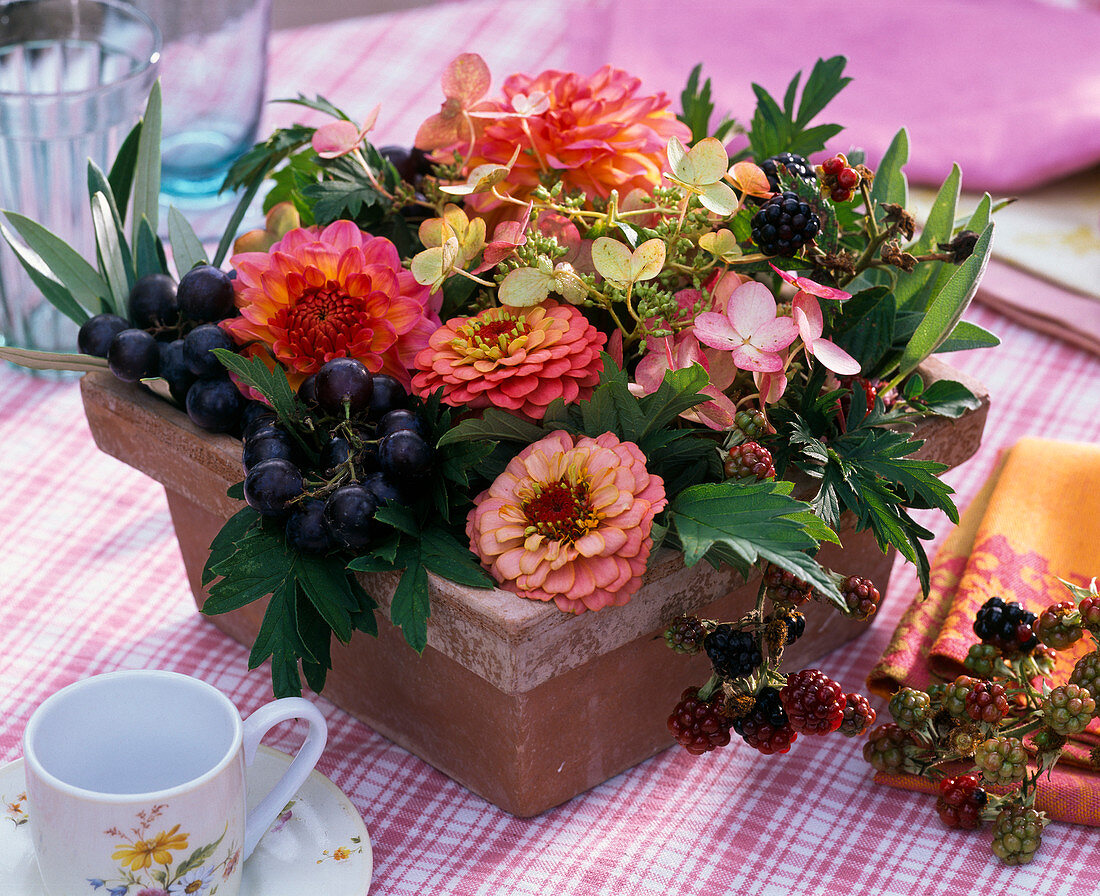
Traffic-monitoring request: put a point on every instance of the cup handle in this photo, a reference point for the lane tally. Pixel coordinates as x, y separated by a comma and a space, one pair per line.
255, 727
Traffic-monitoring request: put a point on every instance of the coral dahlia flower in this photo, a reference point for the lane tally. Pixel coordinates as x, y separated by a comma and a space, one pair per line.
569, 520
519, 359
331, 293
598, 134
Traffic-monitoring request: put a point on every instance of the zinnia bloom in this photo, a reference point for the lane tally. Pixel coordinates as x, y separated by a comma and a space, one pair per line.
156, 850
598, 134
331, 293
519, 359
569, 521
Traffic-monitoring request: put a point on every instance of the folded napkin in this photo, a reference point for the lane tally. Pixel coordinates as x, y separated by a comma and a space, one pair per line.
1034, 521
1006, 88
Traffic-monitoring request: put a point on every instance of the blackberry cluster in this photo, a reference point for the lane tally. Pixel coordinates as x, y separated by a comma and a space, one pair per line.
1007, 626
858, 715
911, 709
753, 424
890, 748
961, 800
766, 727
699, 725
785, 589
814, 702
1068, 709
860, 596
685, 634
1017, 834
373, 452
796, 165
749, 460
733, 653
839, 180
1002, 760
987, 703
171, 332
784, 225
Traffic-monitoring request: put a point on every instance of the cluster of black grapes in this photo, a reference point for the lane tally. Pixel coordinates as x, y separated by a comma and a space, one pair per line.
373, 449
171, 333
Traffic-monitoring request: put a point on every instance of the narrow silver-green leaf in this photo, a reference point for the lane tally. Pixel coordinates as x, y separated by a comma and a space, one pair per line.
40, 275
36, 360
890, 183
980, 218
98, 183
147, 258
110, 252
67, 265
947, 306
147, 170
941, 217
187, 250
967, 335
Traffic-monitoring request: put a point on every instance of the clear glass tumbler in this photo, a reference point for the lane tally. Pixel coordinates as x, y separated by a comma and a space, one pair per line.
214, 73
74, 78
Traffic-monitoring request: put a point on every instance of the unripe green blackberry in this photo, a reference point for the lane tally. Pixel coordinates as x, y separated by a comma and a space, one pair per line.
749, 460
1086, 673
911, 709
685, 634
1002, 760
753, 424
891, 749
1017, 834
858, 715
1054, 629
1068, 709
1047, 741
981, 659
954, 696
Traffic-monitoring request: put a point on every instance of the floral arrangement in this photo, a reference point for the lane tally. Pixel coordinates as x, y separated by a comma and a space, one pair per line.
563, 332
988, 737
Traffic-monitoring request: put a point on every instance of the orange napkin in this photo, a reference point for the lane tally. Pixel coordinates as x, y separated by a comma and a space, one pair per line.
1036, 519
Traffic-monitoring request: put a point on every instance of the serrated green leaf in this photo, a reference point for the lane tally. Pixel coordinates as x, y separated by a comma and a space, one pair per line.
147, 168
679, 391
272, 384
967, 335
326, 586
890, 183
495, 425
121, 177
826, 80
947, 306
110, 253
41, 276
456, 460
65, 263
442, 554
235, 528
398, 516
363, 618
411, 606
187, 250
873, 334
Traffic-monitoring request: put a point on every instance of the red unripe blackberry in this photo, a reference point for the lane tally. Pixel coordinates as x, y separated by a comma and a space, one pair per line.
749, 460
1054, 630
685, 634
834, 165
987, 703
955, 694
858, 715
847, 178
961, 800
814, 702
1089, 608
785, 589
699, 725
766, 727
861, 596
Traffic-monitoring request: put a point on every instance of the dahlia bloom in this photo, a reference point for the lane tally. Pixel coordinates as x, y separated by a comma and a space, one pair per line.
569, 520
519, 359
598, 133
331, 293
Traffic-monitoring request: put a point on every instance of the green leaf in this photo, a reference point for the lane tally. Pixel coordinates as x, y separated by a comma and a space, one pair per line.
110, 253
754, 520
148, 258
456, 460
187, 250
98, 183
441, 553
825, 82
890, 183
196, 858
947, 305
272, 384
121, 177
679, 391
398, 516
967, 335
43, 279
147, 169
223, 544
36, 360
495, 425
65, 263
948, 399
937, 229
234, 223
278, 638
873, 333
325, 584
410, 608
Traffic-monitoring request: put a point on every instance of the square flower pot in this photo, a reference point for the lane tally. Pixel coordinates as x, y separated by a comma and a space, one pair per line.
522, 704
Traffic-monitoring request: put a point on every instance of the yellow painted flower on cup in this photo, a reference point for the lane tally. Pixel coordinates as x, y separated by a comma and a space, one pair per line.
156, 850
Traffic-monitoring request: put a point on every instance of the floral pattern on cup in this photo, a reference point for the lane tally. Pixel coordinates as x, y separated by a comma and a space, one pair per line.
342, 853
157, 864
15, 810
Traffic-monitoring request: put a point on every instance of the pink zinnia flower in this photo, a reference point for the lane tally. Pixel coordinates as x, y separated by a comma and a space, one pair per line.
569, 521
749, 329
519, 359
598, 134
331, 293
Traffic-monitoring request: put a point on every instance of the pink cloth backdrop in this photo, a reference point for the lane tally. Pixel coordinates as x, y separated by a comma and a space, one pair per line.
92, 581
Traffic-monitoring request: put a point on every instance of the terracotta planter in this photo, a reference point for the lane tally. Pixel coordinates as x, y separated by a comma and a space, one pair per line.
520, 703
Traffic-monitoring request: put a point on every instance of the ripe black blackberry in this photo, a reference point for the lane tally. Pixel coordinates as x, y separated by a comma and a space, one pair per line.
784, 225
766, 728
796, 166
1007, 626
732, 652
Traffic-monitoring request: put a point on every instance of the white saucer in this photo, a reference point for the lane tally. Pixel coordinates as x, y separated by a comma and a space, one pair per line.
318, 845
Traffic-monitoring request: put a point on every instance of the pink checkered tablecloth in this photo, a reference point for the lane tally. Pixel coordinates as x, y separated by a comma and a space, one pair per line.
91, 580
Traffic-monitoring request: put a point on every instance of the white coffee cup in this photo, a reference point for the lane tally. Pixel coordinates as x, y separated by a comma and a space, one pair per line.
136, 780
